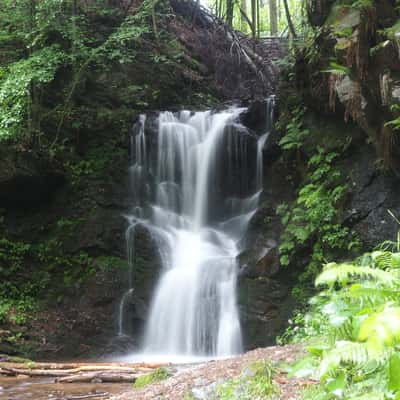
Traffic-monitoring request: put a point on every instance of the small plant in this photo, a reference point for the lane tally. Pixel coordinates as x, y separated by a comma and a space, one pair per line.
337, 69
362, 4
395, 123
314, 217
158, 375
255, 382
295, 132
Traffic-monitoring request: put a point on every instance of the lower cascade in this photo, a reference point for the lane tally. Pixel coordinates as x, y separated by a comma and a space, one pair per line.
195, 189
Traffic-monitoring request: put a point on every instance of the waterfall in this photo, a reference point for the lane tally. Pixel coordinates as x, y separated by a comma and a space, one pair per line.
195, 191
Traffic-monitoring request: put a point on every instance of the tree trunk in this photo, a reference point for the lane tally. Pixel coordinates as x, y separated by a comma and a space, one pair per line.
229, 12
273, 17
243, 12
289, 19
253, 17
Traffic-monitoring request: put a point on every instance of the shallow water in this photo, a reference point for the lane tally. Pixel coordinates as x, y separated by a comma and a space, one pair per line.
44, 389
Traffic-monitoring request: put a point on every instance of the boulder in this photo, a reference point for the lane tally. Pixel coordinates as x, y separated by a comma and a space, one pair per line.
265, 305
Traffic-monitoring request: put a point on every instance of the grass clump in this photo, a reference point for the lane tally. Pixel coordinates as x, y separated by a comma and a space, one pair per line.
157, 375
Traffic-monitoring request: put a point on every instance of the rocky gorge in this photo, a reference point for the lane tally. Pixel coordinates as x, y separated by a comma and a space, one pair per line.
62, 218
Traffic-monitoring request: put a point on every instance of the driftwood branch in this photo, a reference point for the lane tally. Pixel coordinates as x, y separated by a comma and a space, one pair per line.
100, 377
88, 396
80, 372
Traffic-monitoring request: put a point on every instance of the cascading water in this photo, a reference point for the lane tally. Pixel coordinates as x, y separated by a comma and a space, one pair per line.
196, 196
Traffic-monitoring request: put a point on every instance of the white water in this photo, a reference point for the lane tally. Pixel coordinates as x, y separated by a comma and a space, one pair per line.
198, 228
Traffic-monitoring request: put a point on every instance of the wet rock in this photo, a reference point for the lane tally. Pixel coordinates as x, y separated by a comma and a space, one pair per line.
101, 230
386, 56
261, 260
265, 306
255, 117
26, 179
396, 92
348, 90
348, 18
371, 196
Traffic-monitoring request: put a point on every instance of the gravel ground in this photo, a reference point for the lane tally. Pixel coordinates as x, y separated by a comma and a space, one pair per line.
200, 379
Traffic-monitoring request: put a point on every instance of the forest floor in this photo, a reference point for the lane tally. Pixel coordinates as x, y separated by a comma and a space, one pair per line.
187, 381
199, 382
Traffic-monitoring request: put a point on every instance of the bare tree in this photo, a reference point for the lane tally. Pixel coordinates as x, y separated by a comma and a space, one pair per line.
289, 19
273, 17
254, 17
229, 12
243, 11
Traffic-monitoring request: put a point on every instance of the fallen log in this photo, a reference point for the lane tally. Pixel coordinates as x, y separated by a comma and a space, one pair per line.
87, 396
100, 377
39, 365
67, 372
7, 372
81, 372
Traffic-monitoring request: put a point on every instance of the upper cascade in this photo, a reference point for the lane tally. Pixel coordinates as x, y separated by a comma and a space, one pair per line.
195, 191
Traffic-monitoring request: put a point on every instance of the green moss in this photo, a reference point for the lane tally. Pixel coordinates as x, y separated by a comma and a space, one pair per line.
189, 396
20, 360
343, 18
361, 4
391, 32
29, 271
107, 262
158, 375
255, 382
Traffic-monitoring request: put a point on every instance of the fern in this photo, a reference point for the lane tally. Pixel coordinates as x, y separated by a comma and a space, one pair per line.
370, 295
381, 330
357, 320
344, 273
345, 352
382, 259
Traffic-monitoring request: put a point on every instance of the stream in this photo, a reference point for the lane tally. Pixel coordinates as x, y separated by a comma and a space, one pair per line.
25, 388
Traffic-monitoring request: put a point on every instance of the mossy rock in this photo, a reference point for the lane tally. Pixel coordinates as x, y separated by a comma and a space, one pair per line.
343, 18
329, 133
160, 374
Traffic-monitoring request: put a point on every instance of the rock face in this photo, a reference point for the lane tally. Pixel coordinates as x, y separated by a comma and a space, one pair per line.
372, 195
358, 47
26, 179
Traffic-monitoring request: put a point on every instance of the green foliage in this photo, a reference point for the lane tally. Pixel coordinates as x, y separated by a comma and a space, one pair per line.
60, 46
362, 4
314, 217
95, 163
395, 123
295, 133
337, 69
354, 325
255, 382
27, 272
107, 262
18, 78
391, 32
296, 9
158, 375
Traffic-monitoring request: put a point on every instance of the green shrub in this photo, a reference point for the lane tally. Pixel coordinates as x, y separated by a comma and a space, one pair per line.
353, 330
